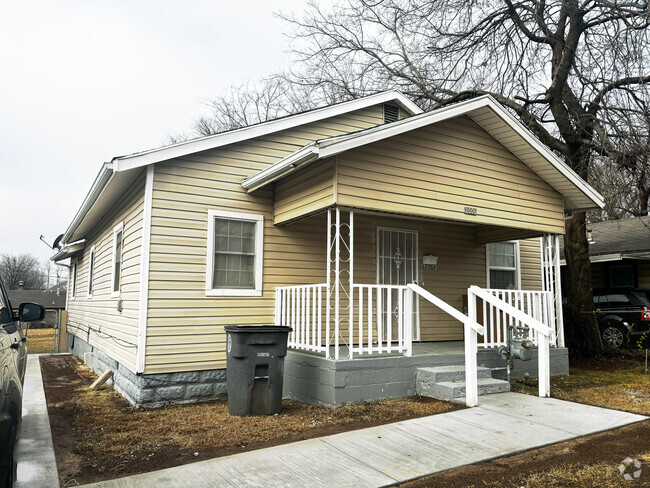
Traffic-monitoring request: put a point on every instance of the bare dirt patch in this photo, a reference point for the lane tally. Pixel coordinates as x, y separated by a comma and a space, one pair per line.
99, 436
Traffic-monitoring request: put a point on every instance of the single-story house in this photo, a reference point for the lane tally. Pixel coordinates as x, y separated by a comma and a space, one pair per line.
369, 227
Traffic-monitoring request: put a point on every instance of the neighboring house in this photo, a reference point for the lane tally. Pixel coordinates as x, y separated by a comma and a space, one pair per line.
50, 299
620, 253
323, 221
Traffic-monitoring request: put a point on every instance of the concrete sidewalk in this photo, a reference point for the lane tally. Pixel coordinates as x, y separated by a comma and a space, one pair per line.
503, 424
34, 454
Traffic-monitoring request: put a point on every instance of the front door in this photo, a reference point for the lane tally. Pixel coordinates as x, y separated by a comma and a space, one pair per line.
397, 264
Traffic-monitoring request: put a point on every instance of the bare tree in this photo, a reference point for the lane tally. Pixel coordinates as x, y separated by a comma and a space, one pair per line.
563, 67
24, 267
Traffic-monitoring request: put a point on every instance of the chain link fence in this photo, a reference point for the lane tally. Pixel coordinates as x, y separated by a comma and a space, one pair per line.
624, 328
43, 336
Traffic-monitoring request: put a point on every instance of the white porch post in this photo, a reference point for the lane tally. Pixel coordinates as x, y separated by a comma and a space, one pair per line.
551, 282
559, 316
340, 260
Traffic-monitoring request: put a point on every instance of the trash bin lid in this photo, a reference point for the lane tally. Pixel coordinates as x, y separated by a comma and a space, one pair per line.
250, 329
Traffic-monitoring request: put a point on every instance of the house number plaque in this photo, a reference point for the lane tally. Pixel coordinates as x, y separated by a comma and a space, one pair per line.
470, 210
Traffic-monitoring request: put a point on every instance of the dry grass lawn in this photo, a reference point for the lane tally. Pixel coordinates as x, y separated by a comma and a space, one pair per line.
98, 435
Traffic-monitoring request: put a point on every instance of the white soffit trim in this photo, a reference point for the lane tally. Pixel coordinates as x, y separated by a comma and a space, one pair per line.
335, 145
211, 142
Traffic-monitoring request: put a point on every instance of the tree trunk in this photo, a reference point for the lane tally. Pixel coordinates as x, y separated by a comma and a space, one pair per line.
581, 331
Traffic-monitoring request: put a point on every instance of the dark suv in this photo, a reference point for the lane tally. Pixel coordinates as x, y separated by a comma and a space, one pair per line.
13, 359
623, 315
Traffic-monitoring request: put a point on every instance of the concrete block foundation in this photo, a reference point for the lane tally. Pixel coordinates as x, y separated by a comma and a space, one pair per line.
313, 379
152, 390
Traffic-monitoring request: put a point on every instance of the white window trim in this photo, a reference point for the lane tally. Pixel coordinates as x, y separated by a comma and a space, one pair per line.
116, 230
91, 274
259, 258
74, 273
506, 268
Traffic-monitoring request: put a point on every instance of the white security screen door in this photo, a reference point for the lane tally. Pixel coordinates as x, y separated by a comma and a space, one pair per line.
397, 264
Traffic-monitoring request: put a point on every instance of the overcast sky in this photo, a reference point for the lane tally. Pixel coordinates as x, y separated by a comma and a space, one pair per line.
84, 81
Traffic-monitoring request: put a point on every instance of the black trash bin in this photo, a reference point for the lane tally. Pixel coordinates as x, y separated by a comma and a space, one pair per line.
255, 368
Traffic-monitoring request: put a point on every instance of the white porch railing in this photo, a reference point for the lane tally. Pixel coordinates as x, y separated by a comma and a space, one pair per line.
538, 304
380, 321
511, 315
303, 308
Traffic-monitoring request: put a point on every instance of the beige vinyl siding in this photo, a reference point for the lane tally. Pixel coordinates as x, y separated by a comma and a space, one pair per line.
304, 193
184, 327
461, 263
485, 234
643, 269
530, 260
439, 170
100, 312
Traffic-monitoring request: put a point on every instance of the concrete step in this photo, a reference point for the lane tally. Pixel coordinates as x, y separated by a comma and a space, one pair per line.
455, 390
448, 382
436, 374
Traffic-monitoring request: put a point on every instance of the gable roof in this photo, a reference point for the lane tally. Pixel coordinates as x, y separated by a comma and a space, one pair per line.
115, 176
487, 113
614, 240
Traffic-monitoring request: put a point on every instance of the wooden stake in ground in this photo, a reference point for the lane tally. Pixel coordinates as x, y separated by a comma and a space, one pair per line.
101, 380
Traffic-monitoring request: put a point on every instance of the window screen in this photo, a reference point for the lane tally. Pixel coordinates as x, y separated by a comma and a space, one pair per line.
234, 254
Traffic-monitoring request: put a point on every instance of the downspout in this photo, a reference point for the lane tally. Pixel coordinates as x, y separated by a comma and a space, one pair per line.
145, 250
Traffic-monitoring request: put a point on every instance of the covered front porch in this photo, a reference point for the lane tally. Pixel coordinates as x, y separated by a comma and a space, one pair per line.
385, 297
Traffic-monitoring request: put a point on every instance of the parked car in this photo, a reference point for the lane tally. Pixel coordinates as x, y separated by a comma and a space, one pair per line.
13, 360
623, 315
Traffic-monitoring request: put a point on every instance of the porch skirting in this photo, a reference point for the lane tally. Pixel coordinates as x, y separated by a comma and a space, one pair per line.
313, 379
152, 390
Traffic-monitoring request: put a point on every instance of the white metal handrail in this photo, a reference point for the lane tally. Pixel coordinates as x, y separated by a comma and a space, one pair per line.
471, 328
301, 307
544, 334
537, 304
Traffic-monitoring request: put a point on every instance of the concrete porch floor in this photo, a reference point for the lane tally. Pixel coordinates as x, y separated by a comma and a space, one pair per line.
502, 425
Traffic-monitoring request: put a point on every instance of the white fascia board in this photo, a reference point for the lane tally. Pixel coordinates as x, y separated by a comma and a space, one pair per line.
290, 163
602, 258
335, 145
211, 142
102, 179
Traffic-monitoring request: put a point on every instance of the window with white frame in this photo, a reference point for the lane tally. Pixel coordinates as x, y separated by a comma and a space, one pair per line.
234, 261
116, 268
73, 276
91, 271
503, 265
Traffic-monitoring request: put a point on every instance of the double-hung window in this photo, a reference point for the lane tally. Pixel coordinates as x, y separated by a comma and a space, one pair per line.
116, 268
234, 261
503, 265
73, 278
91, 271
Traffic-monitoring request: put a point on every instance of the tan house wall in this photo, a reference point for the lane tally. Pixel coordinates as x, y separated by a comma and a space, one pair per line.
185, 328
100, 312
438, 171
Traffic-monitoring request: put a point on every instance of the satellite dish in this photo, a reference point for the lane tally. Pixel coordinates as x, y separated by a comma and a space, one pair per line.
57, 242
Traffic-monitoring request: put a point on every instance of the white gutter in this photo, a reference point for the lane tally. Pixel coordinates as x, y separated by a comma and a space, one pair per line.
102, 179
68, 249
290, 163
